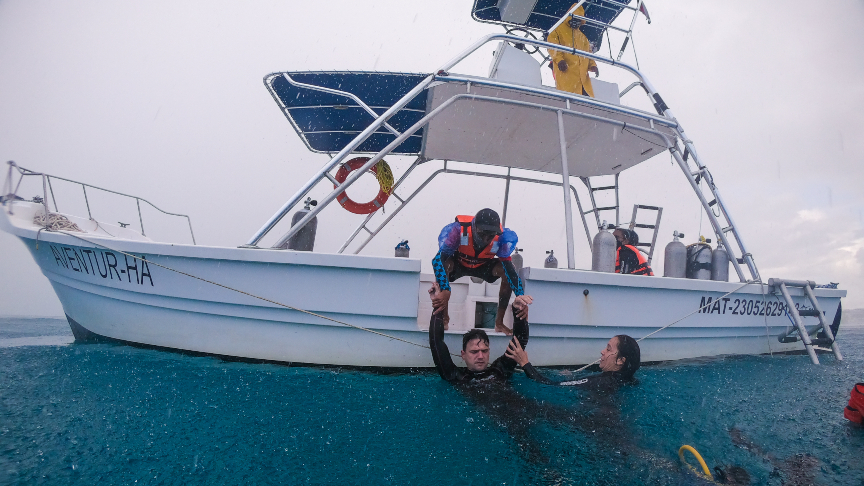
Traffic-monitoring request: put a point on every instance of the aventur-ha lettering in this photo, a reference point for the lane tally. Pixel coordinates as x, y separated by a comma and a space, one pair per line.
106, 264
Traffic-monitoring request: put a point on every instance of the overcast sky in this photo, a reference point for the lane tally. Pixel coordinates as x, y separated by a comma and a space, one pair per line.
164, 99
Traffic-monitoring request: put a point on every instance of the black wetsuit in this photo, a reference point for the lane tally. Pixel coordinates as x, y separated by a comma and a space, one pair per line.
500, 370
607, 379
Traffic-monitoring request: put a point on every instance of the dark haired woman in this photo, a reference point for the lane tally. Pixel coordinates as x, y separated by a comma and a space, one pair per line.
618, 363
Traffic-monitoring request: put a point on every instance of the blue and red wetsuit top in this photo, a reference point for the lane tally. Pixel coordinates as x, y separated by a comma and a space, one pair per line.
456, 241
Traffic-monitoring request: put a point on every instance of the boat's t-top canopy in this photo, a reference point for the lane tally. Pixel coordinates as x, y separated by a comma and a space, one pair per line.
476, 121
542, 15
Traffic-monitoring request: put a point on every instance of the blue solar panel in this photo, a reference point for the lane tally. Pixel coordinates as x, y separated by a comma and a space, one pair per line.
547, 12
328, 122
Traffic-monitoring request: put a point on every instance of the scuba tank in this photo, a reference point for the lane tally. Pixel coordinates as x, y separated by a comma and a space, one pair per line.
675, 259
516, 258
604, 249
550, 261
720, 264
304, 240
699, 259
402, 249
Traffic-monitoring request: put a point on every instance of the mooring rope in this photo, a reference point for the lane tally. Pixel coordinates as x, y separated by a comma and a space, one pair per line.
150, 262
55, 222
676, 322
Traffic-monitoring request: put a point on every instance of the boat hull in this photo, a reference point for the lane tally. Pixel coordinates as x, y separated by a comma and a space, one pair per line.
235, 302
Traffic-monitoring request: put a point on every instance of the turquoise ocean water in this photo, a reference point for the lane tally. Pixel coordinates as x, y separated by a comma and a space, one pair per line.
114, 414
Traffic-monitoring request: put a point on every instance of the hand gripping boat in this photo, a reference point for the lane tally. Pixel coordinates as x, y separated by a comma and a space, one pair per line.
349, 309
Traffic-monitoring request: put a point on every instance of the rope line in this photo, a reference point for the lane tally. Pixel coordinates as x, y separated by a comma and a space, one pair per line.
676, 322
149, 262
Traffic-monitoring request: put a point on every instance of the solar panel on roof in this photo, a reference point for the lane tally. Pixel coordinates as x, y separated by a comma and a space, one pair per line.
328, 122
545, 13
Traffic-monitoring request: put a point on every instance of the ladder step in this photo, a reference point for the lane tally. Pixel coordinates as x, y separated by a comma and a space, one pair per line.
712, 202
814, 341
604, 188
808, 313
727, 229
643, 244
607, 208
649, 226
653, 208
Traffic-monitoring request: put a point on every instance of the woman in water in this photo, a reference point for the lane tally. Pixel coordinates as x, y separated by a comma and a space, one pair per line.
618, 363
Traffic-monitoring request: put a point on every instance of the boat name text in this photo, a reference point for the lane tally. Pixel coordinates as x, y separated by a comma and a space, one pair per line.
741, 307
87, 260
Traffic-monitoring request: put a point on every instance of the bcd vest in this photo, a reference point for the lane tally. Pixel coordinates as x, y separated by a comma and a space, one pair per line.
465, 254
641, 269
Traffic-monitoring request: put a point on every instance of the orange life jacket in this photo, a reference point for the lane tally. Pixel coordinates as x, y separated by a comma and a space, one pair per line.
465, 255
642, 269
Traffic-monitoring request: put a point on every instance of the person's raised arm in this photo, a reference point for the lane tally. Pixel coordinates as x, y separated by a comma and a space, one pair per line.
520, 334
440, 352
517, 353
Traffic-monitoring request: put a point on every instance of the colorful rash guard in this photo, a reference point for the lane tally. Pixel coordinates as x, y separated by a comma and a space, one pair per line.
449, 242
500, 370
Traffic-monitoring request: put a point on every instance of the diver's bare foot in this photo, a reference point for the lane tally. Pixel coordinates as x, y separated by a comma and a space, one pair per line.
502, 328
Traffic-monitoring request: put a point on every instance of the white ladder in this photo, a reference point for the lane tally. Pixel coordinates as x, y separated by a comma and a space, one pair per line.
796, 314
596, 210
654, 227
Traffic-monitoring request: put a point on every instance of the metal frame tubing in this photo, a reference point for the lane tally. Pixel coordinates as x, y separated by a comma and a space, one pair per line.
382, 119
565, 181
718, 229
669, 121
323, 203
445, 170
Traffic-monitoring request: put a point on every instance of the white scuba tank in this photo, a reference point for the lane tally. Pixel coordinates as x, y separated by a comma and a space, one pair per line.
675, 258
720, 264
603, 251
550, 261
516, 258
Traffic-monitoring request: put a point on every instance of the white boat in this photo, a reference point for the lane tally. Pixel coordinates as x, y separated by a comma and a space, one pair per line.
349, 309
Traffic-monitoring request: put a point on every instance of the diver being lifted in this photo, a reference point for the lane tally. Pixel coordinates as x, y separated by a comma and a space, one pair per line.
475, 350
478, 246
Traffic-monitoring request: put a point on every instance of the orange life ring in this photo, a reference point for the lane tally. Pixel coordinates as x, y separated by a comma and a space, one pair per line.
347, 202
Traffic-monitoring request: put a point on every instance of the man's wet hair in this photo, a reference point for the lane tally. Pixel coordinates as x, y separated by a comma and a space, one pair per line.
631, 236
628, 349
472, 335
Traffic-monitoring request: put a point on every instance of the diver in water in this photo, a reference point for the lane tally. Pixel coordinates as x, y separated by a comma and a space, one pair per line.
619, 361
488, 385
475, 352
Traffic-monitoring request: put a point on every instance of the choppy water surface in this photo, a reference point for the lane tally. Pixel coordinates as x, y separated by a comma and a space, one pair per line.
88, 413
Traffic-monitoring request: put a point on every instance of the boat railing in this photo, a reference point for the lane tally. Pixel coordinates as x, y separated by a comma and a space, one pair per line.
666, 118
10, 189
